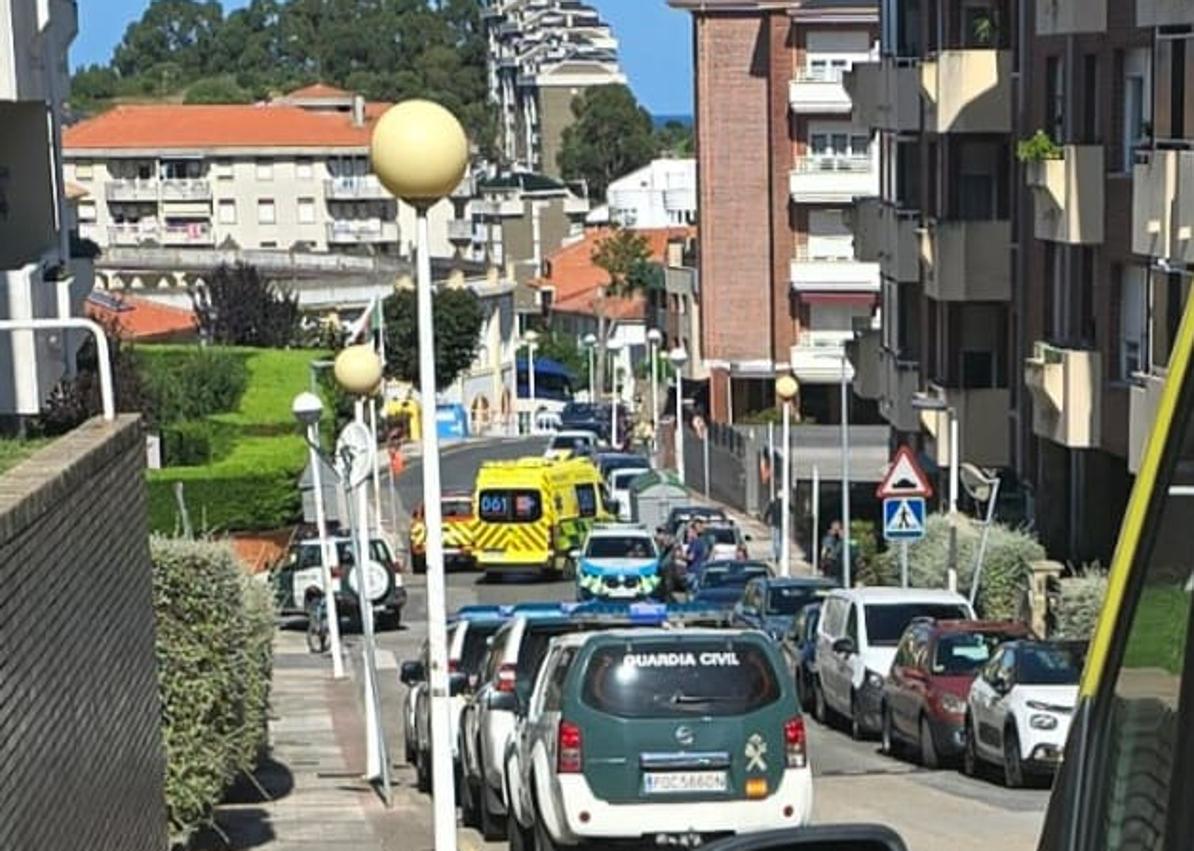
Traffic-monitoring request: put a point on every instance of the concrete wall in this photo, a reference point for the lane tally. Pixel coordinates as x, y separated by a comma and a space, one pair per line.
27, 220
79, 713
555, 114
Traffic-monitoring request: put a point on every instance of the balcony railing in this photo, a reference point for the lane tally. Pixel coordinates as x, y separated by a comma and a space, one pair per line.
1160, 13
968, 91
360, 233
1144, 398
499, 207
132, 190
820, 358
1069, 17
463, 231
132, 234
363, 187
832, 179
900, 381
185, 189
1068, 197
885, 94
1066, 386
128, 235
818, 90
832, 273
967, 260
1163, 205
197, 233
983, 433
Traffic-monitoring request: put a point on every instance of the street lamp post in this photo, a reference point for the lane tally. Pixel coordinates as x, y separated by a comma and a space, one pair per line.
531, 340
308, 410
654, 338
786, 388
590, 341
845, 474
420, 153
614, 347
678, 357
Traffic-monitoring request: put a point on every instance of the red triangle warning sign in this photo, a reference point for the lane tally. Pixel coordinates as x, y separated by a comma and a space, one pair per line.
904, 478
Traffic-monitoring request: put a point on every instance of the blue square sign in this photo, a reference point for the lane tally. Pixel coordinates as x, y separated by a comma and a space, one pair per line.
904, 518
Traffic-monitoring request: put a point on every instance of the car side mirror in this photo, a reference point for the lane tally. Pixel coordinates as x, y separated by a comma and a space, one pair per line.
827, 837
457, 683
1001, 685
411, 673
845, 646
503, 701
614, 505
748, 611
575, 555
748, 537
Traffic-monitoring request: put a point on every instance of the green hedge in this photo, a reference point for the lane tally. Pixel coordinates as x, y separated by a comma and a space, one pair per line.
187, 383
214, 652
1076, 610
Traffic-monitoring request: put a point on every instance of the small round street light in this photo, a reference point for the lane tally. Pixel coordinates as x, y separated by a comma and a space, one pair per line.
530, 339
307, 408
419, 151
358, 370
590, 343
655, 339
786, 388
678, 358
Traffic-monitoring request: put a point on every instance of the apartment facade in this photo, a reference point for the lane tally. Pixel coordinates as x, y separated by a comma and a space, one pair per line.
780, 162
40, 277
542, 54
661, 194
291, 174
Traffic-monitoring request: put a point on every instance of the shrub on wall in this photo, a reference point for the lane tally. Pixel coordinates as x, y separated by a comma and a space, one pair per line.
214, 652
1076, 609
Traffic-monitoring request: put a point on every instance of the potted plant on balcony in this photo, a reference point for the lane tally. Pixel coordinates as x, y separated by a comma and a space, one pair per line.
985, 27
1036, 152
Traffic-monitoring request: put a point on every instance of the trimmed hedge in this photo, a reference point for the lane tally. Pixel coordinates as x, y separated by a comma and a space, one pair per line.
1077, 608
214, 652
191, 382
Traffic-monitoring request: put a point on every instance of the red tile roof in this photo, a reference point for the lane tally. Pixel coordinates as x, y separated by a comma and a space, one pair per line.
141, 319
318, 91
577, 279
182, 126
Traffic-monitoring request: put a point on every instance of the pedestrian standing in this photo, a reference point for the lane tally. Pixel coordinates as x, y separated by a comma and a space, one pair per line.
831, 552
773, 516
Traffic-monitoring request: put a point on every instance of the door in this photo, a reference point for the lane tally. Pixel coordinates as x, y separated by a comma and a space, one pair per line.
899, 684
831, 628
844, 664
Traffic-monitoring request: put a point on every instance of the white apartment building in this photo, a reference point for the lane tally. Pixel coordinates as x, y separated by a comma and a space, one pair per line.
38, 276
291, 175
542, 54
661, 194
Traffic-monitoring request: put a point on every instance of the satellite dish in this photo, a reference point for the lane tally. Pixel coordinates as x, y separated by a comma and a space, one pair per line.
976, 482
355, 454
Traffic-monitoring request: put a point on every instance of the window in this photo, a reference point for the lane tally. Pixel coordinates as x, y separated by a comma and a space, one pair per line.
224, 169
269, 243
227, 212
304, 169
83, 171
506, 506
886, 623
852, 625
1090, 98
553, 693
621, 546
265, 169
586, 500
1133, 321
266, 214
306, 211
1055, 97
819, 144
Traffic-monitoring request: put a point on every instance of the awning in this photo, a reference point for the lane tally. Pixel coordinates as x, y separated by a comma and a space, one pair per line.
855, 299
545, 366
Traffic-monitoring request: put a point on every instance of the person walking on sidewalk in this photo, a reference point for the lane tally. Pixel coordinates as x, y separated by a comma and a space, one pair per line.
831, 552
773, 516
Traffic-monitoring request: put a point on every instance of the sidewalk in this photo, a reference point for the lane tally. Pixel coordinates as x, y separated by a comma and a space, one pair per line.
759, 545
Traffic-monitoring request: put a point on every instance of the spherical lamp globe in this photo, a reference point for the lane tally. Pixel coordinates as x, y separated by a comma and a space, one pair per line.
358, 370
419, 151
786, 388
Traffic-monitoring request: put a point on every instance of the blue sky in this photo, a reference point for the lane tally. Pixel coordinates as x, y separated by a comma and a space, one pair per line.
656, 44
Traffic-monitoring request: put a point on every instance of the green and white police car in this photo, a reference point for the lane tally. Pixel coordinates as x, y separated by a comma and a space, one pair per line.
662, 736
620, 562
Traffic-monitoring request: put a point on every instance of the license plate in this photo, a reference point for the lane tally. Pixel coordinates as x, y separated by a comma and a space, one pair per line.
662, 783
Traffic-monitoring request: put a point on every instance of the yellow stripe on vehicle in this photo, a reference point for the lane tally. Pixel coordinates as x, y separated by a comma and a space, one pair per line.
1133, 524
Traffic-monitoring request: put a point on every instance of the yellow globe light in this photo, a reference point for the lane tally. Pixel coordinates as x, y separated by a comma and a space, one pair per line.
358, 370
786, 388
419, 151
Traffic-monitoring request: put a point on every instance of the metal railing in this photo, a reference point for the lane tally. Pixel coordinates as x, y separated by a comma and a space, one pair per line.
804, 254
819, 163
825, 74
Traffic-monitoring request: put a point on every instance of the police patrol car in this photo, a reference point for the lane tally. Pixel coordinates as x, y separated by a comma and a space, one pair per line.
619, 561
632, 734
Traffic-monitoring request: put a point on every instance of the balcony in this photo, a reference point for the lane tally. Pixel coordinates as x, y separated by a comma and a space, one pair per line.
131, 235
819, 91
968, 91
832, 180
132, 191
1069, 17
811, 273
498, 207
983, 433
575, 206
885, 94
1066, 387
967, 261
195, 233
1160, 13
183, 189
1144, 398
900, 379
864, 353
361, 233
819, 357
358, 187
1163, 205
463, 231
1068, 198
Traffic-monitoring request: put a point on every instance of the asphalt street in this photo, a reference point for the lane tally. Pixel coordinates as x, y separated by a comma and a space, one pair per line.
933, 810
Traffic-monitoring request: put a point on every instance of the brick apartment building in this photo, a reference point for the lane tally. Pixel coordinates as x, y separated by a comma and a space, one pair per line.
1035, 297
779, 164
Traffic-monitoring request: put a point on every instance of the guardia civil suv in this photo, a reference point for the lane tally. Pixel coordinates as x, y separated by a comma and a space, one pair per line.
658, 736
619, 561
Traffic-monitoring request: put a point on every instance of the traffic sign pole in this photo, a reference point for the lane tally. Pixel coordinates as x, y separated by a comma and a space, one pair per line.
904, 564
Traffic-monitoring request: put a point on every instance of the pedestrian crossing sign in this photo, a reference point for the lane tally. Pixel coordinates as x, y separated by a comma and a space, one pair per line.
904, 518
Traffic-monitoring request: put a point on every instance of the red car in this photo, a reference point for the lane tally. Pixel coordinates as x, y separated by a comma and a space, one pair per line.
924, 696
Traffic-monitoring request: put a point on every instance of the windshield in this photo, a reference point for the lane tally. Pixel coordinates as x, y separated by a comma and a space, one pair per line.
456, 508
885, 624
621, 479
622, 546
965, 652
785, 600
1042, 665
570, 441
722, 535
661, 679
308, 554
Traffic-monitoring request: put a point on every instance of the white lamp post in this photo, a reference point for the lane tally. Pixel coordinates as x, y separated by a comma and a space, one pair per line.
786, 389
308, 409
420, 153
590, 343
655, 338
678, 358
614, 347
531, 340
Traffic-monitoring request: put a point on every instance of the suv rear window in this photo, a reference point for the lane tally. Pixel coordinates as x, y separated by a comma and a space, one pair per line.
666, 679
885, 624
621, 546
476, 642
504, 506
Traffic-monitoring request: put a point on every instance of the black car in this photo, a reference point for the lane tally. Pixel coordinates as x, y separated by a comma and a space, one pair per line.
802, 645
608, 462
587, 416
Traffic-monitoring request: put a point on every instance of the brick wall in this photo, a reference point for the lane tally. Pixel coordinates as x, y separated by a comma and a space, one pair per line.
79, 714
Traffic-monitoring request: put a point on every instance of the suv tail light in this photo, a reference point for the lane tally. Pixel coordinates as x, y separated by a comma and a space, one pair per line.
795, 743
568, 748
506, 677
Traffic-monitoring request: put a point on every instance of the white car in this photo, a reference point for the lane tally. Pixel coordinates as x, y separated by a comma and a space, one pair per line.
619, 485
298, 581
724, 540
857, 637
1019, 710
662, 737
571, 442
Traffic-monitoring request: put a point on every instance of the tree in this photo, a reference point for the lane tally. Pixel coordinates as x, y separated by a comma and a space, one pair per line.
458, 319
563, 349
625, 256
222, 89
237, 306
611, 136
675, 139
177, 31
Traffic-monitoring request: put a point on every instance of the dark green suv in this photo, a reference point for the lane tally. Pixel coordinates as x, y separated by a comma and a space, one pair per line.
631, 734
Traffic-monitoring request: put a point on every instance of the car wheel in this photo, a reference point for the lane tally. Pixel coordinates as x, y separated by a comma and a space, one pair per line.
543, 840
1013, 767
928, 747
423, 772
469, 813
887, 742
970, 759
492, 828
516, 833
820, 707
